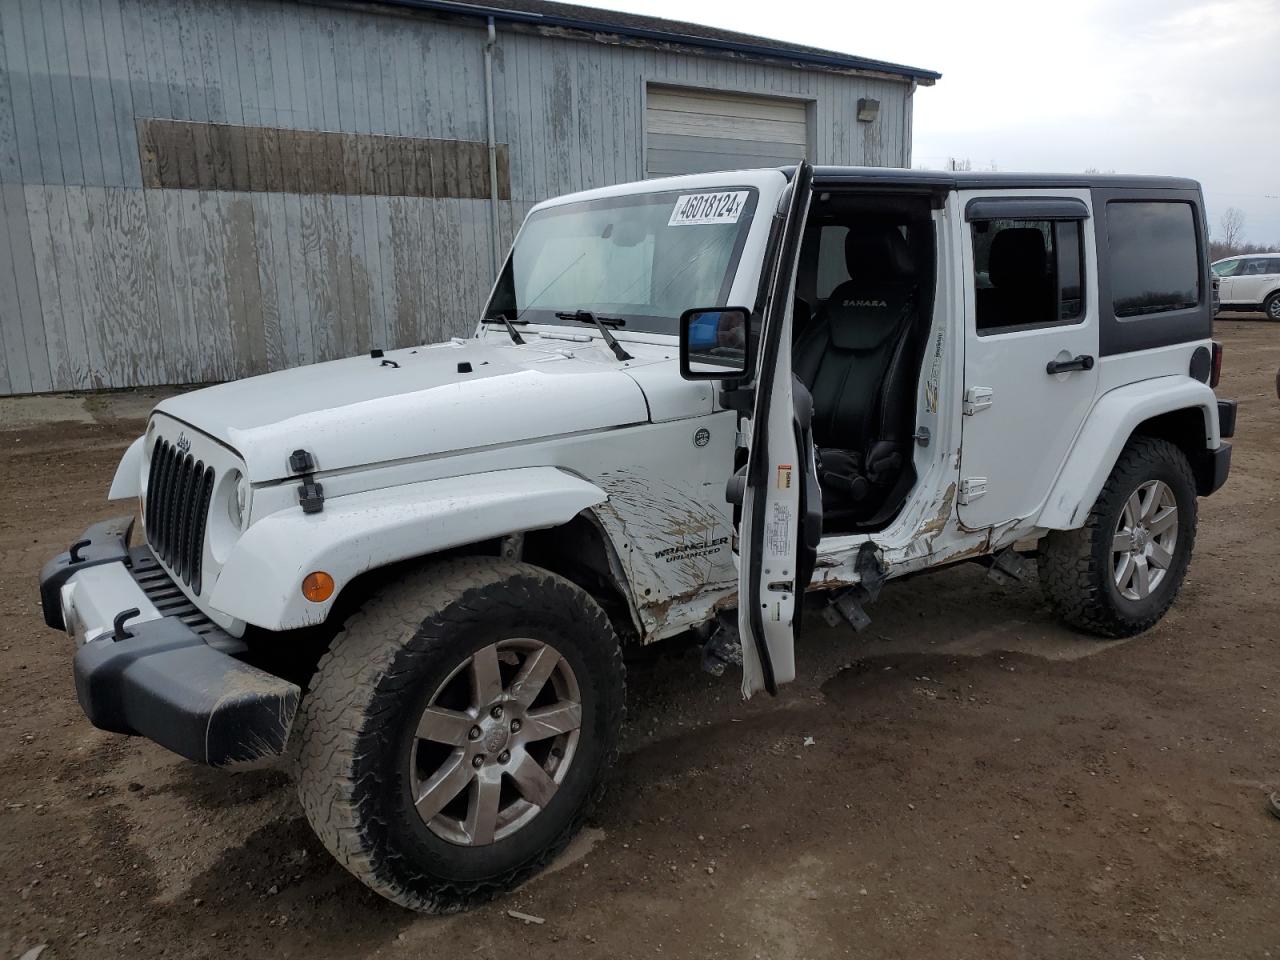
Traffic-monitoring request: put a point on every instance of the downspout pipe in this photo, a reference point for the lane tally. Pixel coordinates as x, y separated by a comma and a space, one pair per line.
908, 120
489, 46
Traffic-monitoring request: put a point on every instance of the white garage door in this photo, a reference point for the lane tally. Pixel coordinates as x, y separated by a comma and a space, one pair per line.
693, 131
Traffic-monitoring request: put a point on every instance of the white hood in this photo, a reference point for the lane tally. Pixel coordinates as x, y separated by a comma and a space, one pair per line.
418, 402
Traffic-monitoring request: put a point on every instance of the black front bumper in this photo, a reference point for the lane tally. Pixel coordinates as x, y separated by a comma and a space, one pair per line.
175, 679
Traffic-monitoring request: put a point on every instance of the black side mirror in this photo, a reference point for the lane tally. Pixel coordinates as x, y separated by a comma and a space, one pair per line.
716, 344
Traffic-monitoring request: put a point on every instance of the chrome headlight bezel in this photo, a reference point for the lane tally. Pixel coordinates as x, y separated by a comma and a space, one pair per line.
238, 500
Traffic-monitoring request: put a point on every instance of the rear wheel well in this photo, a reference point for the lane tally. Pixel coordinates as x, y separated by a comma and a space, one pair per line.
1188, 430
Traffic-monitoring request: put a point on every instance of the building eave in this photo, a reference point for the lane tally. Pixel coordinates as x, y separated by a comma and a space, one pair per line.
829, 60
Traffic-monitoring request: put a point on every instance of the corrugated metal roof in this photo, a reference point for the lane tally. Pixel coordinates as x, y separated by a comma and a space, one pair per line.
641, 26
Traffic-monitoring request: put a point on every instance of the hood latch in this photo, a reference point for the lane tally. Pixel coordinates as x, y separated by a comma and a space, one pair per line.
310, 492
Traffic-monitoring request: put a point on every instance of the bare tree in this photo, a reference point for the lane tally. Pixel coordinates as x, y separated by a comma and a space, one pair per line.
1232, 225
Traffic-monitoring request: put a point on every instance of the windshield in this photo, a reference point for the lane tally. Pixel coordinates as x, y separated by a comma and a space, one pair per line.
642, 258
1226, 268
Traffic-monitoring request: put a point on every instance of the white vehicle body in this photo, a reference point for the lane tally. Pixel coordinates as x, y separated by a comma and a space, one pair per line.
1250, 282
688, 403
416, 457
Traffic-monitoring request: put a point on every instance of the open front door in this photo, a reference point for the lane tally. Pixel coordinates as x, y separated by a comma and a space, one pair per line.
781, 517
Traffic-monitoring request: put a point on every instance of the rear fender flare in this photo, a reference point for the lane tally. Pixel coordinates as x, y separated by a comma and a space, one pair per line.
1111, 422
260, 582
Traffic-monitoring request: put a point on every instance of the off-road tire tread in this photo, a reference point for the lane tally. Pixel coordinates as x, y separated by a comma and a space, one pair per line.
416, 610
1070, 576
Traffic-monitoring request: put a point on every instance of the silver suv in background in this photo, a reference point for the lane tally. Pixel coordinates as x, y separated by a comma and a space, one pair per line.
1250, 283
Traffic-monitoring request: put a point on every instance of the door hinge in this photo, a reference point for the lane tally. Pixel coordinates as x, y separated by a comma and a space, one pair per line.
975, 399
971, 489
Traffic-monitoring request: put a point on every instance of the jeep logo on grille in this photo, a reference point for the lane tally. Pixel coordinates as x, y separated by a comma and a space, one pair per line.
184, 443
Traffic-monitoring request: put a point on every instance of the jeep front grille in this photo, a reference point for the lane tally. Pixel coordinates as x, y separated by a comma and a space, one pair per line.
179, 489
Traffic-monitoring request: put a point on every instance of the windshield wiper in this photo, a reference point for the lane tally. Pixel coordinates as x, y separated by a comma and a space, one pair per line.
505, 320
586, 316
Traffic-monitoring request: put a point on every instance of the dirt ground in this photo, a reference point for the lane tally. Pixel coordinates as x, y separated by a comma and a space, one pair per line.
980, 783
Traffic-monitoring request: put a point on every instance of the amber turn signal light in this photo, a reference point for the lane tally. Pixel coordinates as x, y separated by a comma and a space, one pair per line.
317, 587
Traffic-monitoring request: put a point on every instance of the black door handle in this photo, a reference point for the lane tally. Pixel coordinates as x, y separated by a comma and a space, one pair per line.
1082, 362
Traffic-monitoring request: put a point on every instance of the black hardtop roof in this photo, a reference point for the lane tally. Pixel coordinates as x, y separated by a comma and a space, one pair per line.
978, 180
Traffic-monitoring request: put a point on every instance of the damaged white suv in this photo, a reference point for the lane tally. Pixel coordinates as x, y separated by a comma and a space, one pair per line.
414, 572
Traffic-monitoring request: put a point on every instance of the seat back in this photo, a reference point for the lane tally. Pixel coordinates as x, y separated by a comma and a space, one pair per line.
846, 358
1022, 285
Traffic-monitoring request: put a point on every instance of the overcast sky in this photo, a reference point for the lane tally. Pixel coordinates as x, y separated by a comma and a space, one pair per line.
1144, 86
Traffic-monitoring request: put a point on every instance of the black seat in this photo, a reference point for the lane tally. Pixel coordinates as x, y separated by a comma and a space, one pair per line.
1022, 286
852, 358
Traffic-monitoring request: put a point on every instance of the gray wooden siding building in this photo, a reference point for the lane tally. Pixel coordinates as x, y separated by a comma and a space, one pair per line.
198, 190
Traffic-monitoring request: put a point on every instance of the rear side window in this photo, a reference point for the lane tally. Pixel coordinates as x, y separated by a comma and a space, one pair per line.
1259, 267
1155, 259
1027, 274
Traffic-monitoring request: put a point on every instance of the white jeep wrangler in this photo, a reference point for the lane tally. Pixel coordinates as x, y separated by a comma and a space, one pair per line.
415, 571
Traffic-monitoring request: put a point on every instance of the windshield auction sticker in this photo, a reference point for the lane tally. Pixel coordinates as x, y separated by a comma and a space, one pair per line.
700, 208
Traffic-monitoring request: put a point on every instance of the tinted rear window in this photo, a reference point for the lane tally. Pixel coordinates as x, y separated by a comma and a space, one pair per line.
1155, 263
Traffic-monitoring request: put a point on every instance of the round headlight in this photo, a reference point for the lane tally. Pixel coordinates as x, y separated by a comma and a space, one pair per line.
238, 502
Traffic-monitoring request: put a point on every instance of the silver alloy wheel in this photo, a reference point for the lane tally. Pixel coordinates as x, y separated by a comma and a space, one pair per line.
1273, 308
495, 742
1146, 536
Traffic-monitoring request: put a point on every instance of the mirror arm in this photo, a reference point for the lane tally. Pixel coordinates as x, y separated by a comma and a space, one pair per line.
741, 399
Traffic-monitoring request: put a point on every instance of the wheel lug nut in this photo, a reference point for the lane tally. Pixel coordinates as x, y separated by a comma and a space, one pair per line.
515, 726
504, 756
496, 713
478, 761
475, 733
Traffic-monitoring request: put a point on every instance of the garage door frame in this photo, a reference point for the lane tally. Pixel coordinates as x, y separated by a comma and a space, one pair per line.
647, 84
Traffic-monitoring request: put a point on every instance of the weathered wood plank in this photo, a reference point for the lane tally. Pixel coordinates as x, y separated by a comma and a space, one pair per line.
297, 253
124, 286
109, 60
178, 334
278, 324
207, 261
30, 62
68, 139
404, 252
80, 222
29, 318
15, 374
73, 62
370, 232
54, 316
361, 278
244, 288
17, 121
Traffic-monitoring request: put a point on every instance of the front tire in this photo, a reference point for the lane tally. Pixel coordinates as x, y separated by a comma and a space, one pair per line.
457, 732
1118, 574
